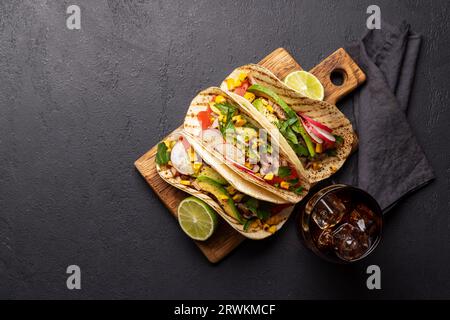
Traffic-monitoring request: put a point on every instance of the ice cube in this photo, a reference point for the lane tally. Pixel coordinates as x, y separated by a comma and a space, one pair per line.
350, 242
357, 220
363, 218
325, 239
329, 211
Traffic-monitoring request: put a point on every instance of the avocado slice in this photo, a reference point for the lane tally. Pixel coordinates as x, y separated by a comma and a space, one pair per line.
213, 175
259, 105
260, 90
221, 195
265, 92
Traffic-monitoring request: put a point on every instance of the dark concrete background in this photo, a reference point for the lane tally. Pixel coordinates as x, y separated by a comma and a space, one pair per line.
78, 107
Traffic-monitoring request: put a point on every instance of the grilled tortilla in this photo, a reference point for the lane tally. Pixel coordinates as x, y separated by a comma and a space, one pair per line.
212, 114
186, 165
320, 165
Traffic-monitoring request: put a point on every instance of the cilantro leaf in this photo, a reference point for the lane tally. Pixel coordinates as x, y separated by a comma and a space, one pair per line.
298, 190
162, 155
300, 149
284, 172
263, 214
339, 139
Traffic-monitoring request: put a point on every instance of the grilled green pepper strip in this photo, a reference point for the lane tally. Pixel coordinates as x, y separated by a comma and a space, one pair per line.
307, 138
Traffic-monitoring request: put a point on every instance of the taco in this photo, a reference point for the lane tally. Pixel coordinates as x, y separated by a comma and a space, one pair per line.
314, 134
184, 163
228, 131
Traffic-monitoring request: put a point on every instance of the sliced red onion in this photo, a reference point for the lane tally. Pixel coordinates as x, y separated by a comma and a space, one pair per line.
180, 159
311, 132
215, 123
212, 137
325, 135
314, 122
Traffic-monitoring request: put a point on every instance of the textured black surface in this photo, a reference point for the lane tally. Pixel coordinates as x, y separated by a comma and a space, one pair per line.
78, 107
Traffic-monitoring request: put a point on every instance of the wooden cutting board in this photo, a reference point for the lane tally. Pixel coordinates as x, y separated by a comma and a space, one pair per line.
281, 63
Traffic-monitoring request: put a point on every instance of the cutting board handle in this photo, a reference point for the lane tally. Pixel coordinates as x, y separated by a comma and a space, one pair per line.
338, 65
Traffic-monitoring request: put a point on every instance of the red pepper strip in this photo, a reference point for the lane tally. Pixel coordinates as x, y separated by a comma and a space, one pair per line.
204, 117
242, 89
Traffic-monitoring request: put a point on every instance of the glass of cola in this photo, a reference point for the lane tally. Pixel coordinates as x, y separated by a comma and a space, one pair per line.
341, 223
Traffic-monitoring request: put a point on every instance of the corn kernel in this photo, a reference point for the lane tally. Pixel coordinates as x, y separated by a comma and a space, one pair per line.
236, 118
231, 84
223, 197
197, 166
185, 182
284, 185
316, 165
319, 148
249, 96
191, 154
248, 165
231, 190
272, 229
268, 176
219, 99
237, 82
269, 108
167, 143
242, 76
264, 102
238, 197
266, 227
240, 123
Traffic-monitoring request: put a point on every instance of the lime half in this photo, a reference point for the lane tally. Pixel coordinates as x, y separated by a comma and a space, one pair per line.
197, 219
306, 84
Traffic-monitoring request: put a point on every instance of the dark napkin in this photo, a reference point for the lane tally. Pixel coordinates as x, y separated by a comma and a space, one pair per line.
389, 163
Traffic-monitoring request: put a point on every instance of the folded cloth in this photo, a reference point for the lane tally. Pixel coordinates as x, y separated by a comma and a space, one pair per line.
390, 163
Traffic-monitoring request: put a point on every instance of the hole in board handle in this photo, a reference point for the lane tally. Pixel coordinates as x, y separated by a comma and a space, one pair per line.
338, 77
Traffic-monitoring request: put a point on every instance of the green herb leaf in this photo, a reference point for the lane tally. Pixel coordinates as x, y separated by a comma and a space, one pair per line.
284, 172
263, 214
225, 107
252, 204
339, 139
300, 149
291, 121
162, 155
298, 190
248, 223
296, 127
291, 136
293, 181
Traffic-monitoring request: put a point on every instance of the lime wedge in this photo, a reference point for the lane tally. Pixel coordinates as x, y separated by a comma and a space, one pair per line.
197, 219
306, 84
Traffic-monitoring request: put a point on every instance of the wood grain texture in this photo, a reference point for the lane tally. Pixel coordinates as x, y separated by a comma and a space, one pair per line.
340, 62
281, 63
